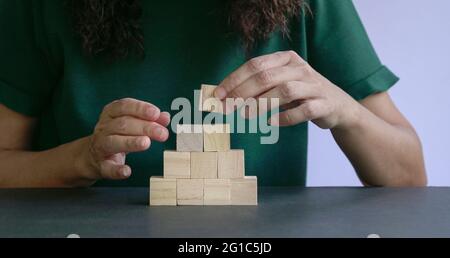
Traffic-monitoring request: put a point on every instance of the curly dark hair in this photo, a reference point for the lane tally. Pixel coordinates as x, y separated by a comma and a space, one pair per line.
113, 27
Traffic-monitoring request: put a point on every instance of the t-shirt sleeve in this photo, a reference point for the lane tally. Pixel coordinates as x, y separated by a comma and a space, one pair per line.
340, 49
26, 80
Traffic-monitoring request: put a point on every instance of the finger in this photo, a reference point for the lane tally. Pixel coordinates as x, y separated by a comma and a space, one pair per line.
285, 94
270, 104
291, 105
114, 144
305, 112
132, 107
164, 119
113, 171
268, 79
254, 66
127, 125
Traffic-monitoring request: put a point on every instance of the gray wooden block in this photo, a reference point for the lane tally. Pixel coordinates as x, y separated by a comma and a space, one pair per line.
189, 138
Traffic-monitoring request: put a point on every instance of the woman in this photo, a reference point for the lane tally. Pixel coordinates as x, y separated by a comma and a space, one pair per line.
80, 93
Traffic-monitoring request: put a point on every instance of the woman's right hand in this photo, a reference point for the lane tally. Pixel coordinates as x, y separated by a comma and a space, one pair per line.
125, 126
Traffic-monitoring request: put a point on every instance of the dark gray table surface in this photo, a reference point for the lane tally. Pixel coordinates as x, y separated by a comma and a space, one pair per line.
282, 212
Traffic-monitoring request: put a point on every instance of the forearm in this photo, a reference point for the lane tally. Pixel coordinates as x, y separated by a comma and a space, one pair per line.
60, 167
382, 154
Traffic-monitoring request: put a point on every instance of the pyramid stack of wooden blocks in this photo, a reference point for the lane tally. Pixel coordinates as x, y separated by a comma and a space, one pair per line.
204, 170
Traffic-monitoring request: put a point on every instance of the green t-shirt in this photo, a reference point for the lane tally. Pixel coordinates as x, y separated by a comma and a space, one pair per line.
44, 74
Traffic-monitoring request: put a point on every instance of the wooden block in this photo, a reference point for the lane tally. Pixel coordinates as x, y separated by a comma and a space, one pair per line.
207, 101
231, 164
203, 165
177, 164
217, 137
244, 191
163, 192
217, 192
189, 138
190, 191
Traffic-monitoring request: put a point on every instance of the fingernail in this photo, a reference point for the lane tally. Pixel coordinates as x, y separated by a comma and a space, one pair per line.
167, 114
220, 93
126, 172
142, 143
158, 131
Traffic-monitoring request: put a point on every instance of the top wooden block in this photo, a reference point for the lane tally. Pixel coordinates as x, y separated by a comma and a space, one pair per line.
207, 101
189, 138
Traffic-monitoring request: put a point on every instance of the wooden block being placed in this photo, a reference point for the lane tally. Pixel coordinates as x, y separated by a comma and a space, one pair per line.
244, 191
163, 192
207, 101
189, 138
190, 191
231, 164
177, 164
203, 165
217, 137
217, 192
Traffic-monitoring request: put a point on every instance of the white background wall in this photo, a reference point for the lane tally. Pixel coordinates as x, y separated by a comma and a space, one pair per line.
412, 37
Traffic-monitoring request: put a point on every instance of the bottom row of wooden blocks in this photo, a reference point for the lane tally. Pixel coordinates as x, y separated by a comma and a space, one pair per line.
172, 192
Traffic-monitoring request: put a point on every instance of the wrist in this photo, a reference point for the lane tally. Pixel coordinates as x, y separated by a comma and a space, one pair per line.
350, 116
84, 163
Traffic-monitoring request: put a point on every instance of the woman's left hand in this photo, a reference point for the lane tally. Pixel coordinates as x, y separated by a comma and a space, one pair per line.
303, 93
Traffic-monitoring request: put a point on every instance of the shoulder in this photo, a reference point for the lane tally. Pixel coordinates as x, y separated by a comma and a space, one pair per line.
326, 12
325, 5
324, 16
